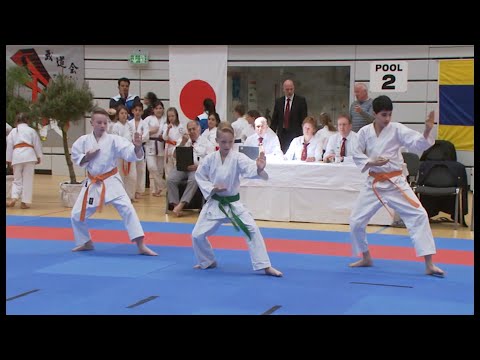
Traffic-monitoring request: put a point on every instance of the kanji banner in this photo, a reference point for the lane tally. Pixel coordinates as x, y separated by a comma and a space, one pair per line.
43, 63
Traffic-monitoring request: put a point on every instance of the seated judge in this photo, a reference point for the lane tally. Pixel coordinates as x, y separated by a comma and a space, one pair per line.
201, 147
305, 147
265, 137
342, 143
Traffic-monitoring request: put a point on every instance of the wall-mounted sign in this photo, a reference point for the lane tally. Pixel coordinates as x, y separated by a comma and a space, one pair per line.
388, 76
139, 57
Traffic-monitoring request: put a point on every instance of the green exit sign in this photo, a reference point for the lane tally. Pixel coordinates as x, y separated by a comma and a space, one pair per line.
138, 58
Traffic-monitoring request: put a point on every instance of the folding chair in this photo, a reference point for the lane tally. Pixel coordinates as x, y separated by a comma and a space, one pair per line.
413, 165
440, 182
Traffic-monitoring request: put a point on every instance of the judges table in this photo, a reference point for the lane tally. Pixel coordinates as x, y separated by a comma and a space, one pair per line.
307, 192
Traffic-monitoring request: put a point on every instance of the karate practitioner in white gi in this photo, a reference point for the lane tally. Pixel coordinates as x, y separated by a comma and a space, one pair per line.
218, 177
378, 152
98, 153
24, 151
127, 170
172, 131
241, 126
140, 126
155, 148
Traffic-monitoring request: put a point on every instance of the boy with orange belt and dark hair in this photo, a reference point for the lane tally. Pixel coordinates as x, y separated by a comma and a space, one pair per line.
378, 151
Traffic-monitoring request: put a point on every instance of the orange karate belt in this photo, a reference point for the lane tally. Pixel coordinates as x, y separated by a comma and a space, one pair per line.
93, 180
171, 142
379, 177
23, 144
126, 167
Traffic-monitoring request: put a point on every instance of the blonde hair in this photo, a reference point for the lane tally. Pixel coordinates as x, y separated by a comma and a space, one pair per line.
225, 127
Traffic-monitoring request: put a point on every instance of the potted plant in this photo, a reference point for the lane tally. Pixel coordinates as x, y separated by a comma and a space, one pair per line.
65, 100
16, 79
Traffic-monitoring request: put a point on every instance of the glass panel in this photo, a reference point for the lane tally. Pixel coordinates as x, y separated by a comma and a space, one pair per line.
326, 88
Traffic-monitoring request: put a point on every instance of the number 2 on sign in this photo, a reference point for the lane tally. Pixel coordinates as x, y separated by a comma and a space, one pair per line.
390, 80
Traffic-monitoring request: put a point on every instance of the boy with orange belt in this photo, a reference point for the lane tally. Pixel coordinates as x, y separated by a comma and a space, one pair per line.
378, 151
98, 152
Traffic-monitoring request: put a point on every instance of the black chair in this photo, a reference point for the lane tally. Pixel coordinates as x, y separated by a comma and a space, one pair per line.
195, 204
413, 165
436, 179
441, 150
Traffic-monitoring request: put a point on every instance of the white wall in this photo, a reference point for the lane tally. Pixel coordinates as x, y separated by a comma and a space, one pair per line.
104, 65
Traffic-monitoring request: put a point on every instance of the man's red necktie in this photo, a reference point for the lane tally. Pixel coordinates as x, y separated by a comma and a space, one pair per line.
304, 152
260, 141
286, 114
342, 148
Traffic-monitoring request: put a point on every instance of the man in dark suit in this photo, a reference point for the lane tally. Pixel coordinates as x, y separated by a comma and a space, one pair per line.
288, 114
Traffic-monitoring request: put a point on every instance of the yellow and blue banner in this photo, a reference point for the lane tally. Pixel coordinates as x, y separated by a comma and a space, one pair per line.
456, 95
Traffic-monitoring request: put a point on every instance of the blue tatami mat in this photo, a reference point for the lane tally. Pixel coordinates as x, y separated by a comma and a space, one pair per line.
49, 279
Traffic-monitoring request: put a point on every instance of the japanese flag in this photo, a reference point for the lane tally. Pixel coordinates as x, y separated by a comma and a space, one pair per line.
198, 72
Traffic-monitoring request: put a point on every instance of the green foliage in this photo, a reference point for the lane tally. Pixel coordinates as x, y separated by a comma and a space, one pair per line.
16, 78
64, 100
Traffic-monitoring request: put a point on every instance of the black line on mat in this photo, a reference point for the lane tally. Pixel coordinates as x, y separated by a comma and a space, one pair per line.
143, 301
364, 283
272, 310
22, 294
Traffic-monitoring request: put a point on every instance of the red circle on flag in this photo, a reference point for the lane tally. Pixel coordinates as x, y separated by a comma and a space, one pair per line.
192, 96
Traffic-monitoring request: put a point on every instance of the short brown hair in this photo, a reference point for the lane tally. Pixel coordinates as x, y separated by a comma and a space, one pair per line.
346, 116
99, 110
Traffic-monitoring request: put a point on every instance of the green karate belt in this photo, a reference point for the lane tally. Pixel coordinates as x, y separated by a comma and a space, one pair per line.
236, 221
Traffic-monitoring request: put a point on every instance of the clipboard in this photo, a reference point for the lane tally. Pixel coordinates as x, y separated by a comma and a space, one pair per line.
251, 151
184, 156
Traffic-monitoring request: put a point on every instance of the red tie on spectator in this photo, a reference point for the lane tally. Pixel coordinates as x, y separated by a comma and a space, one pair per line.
286, 114
304, 152
260, 141
342, 148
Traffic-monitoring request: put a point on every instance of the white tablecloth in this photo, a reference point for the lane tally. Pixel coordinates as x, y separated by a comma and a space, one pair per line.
307, 192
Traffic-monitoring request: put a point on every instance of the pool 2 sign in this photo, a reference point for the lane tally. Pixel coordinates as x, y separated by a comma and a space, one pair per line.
388, 77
